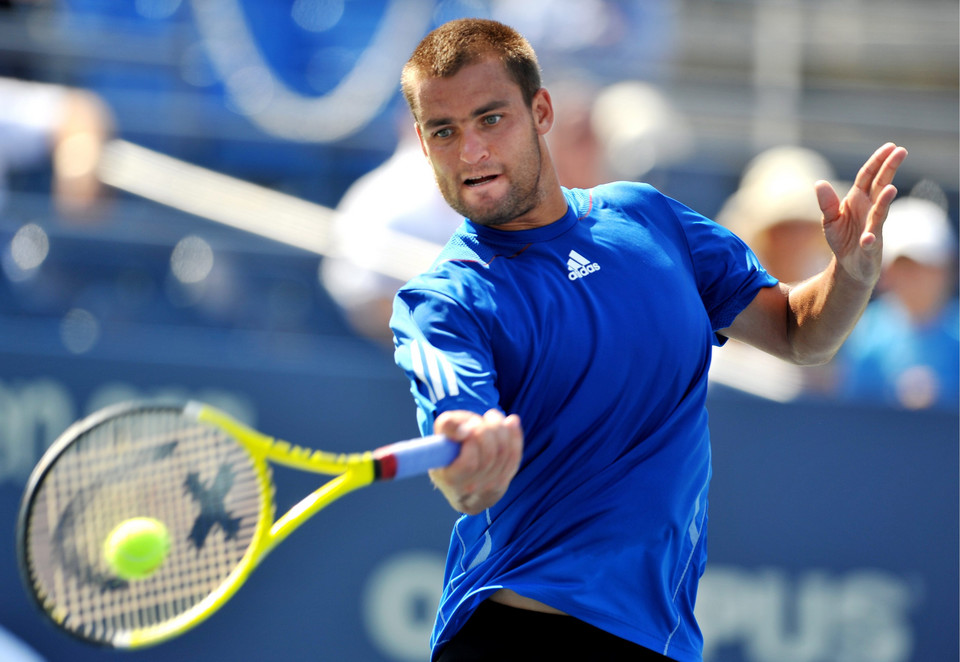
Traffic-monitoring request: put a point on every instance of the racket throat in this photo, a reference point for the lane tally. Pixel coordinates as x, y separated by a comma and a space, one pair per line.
315, 501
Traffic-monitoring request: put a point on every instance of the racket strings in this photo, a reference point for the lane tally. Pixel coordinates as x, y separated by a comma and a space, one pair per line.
155, 463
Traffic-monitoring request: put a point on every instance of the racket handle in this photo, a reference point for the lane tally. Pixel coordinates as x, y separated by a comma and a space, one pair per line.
415, 456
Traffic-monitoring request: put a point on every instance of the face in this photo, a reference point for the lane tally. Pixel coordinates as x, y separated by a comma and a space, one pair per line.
920, 288
485, 144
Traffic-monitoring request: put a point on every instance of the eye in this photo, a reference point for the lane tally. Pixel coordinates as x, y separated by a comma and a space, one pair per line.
443, 133
490, 120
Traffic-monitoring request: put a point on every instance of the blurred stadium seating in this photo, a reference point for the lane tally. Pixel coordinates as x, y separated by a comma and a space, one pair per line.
832, 75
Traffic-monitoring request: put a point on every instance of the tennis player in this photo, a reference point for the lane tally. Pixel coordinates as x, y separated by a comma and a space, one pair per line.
587, 315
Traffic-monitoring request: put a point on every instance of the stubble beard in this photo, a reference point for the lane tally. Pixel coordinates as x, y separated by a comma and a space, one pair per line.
523, 196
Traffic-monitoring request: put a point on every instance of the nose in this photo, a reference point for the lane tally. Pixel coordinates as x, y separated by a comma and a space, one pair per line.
473, 149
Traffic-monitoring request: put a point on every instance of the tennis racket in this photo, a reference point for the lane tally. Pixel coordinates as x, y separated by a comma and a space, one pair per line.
207, 478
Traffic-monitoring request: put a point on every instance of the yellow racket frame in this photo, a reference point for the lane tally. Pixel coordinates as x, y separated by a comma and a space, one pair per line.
352, 471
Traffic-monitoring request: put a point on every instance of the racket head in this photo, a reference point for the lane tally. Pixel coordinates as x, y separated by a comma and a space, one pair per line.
132, 460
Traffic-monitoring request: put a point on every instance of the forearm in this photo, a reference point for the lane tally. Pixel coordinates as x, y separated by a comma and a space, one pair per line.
807, 323
821, 312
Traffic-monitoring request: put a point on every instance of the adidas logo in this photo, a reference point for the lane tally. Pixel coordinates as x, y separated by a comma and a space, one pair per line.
580, 266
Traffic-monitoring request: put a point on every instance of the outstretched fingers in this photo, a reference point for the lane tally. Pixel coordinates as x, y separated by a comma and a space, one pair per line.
853, 225
879, 170
877, 215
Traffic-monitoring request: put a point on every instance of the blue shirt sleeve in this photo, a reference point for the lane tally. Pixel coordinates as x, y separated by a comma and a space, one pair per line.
728, 272
441, 348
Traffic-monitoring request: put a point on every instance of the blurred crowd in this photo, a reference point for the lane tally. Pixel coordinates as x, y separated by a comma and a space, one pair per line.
63, 129
904, 353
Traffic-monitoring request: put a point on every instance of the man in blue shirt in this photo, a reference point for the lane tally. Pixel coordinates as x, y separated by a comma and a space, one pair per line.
589, 316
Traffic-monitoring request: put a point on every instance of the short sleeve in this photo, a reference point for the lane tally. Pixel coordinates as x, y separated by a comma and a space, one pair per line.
445, 353
728, 272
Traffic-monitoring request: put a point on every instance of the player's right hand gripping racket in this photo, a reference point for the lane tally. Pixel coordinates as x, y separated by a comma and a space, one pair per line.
203, 475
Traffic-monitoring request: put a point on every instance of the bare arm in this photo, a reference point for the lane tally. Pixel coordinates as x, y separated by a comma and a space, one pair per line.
492, 446
807, 323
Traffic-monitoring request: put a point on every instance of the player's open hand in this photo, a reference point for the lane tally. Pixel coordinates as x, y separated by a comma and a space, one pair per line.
853, 226
492, 446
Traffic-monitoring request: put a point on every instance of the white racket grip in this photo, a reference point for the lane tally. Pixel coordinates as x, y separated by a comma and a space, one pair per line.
416, 456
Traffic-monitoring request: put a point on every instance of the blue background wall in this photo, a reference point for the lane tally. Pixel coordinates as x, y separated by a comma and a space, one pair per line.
833, 534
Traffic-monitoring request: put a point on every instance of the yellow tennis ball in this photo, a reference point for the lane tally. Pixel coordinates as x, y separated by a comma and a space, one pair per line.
137, 547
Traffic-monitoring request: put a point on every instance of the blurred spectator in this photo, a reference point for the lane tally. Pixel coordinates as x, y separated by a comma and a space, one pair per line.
775, 211
905, 351
640, 129
55, 127
398, 196
575, 147
400, 200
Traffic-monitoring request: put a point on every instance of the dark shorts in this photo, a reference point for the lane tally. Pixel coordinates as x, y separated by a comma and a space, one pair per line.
497, 633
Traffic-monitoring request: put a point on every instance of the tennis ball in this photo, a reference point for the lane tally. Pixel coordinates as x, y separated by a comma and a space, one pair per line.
137, 547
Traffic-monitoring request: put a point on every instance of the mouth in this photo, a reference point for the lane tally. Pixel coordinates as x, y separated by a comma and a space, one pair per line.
479, 181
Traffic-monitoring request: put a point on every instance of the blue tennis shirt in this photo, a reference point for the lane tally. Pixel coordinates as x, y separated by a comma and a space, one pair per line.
597, 331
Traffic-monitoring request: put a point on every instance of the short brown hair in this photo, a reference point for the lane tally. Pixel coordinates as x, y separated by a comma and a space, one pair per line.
453, 45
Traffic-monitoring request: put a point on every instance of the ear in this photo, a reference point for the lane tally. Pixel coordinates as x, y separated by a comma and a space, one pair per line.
542, 109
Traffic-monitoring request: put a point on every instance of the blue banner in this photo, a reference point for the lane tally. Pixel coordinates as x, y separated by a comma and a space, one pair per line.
833, 535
